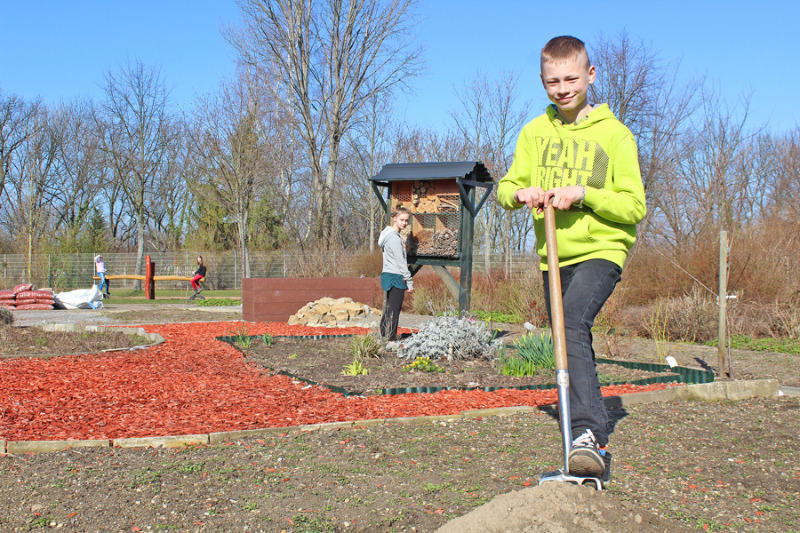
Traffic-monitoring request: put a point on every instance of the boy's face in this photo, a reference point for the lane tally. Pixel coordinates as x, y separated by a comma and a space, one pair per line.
567, 83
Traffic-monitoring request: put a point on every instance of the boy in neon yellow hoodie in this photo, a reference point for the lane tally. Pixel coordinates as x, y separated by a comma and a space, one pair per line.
582, 160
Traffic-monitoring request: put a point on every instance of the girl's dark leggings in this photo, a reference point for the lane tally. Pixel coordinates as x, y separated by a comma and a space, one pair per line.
393, 301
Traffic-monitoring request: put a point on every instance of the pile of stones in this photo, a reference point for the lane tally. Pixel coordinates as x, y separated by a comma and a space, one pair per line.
340, 312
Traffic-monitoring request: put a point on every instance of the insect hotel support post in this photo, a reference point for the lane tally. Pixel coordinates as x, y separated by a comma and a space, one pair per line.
441, 198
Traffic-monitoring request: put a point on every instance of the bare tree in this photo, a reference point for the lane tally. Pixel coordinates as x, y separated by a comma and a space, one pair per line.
114, 203
16, 119
330, 57
33, 183
79, 171
136, 139
369, 147
785, 192
646, 96
168, 211
712, 168
489, 118
233, 152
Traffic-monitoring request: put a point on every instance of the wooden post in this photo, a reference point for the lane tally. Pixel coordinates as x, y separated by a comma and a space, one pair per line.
723, 300
467, 232
149, 282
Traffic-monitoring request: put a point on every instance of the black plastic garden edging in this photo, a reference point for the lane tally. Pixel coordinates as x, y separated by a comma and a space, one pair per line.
678, 374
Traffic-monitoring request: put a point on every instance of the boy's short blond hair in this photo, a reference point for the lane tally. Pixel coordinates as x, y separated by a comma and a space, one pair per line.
564, 48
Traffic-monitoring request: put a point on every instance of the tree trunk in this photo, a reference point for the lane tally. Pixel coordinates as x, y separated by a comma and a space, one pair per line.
137, 284
327, 191
242, 223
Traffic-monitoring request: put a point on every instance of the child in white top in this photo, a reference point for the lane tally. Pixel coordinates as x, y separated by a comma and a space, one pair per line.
100, 268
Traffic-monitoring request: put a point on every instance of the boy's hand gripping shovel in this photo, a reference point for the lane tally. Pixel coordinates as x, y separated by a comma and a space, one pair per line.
560, 348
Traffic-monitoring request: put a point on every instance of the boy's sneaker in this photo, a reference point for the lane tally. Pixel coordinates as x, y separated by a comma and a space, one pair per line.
607, 463
585, 459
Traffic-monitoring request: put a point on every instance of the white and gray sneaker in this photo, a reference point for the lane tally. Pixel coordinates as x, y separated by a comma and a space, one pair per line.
584, 458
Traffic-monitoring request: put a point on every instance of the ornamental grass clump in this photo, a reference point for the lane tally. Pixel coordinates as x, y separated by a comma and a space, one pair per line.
451, 337
365, 346
533, 352
243, 340
537, 349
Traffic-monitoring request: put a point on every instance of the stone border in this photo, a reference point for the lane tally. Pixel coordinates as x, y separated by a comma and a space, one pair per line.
708, 392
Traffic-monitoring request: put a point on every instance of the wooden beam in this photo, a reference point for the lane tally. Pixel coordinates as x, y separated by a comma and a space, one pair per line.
142, 278
449, 282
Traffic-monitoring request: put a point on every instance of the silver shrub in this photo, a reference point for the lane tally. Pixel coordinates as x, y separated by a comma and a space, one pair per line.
451, 337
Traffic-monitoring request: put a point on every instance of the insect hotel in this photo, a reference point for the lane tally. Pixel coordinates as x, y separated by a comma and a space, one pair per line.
442, 200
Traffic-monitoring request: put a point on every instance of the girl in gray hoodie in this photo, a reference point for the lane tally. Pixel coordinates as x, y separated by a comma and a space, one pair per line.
395, 276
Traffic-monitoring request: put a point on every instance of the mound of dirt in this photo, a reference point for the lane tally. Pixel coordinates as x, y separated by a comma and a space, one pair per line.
556, 507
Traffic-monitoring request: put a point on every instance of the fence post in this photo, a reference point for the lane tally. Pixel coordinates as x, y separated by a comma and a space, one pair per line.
723, 301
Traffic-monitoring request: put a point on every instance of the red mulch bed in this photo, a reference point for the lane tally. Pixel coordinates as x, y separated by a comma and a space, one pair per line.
193, 384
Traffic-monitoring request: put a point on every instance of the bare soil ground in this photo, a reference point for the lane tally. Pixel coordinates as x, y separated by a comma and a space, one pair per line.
723, 466
32, 341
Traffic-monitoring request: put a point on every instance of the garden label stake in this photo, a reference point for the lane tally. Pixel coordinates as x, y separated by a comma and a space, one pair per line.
560, 348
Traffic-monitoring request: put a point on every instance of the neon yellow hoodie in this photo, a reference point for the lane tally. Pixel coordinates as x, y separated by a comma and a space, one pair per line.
598, 152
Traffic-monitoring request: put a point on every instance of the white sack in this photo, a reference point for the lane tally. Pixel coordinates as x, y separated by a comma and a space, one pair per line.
81, 298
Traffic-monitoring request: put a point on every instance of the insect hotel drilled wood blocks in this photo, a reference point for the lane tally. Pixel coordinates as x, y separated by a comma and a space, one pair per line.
442, 200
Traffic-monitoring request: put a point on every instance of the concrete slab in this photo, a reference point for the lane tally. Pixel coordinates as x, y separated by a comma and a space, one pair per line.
703, 392
369, 423
227, 436
418, 420
499, 411
790, 391
45, 446
656, 396
327, 426
742, 390
176, 441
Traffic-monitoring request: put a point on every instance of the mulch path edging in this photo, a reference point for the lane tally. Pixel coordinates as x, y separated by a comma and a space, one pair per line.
190, 383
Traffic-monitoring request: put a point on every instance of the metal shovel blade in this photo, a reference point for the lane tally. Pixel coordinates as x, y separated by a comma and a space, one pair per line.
559, 475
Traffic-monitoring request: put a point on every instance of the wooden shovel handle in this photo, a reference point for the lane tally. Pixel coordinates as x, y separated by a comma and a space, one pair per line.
556, 301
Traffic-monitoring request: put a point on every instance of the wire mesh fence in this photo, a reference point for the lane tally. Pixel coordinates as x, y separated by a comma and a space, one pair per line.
225, 270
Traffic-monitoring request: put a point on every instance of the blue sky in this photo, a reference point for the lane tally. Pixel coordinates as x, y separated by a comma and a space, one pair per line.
60, 49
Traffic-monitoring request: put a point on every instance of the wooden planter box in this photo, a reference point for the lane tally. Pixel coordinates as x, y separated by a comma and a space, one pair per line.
276, 299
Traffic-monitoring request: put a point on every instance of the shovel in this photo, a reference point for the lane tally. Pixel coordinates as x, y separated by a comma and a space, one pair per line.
560, 348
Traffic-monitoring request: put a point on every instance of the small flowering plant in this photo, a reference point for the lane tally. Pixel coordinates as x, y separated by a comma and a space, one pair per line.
423, 364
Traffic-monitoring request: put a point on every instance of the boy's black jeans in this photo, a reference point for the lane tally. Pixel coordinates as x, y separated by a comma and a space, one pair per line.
585, 288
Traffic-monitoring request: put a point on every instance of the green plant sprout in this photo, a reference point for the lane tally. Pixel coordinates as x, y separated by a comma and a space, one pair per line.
356, 368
